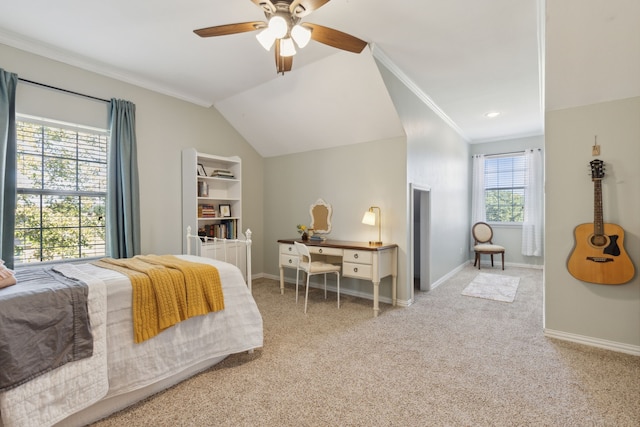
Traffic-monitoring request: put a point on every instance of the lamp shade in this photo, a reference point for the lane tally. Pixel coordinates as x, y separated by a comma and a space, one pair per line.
266, 38
278, 26
369, 218
286, 47
300, 35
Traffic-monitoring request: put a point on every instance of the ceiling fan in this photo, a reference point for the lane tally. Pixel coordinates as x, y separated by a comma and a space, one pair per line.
283, 27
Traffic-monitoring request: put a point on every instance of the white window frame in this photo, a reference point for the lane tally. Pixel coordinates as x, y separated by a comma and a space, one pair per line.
44, 192
517, 187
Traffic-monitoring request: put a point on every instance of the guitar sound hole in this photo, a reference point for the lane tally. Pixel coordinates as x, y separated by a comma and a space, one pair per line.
598, 240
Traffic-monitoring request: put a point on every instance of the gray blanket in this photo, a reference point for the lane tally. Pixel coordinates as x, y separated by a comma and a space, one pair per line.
44, 323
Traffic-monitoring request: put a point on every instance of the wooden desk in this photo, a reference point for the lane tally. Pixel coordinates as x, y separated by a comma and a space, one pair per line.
359, 260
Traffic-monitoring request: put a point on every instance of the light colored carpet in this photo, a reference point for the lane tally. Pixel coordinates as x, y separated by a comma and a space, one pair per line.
444, 361
496, 287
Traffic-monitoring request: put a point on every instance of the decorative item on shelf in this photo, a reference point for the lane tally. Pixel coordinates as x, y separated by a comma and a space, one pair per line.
370, 219
222, 173
302, 230
225, 211
203, 189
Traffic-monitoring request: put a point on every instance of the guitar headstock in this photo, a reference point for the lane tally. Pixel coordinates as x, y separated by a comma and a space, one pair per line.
597, 169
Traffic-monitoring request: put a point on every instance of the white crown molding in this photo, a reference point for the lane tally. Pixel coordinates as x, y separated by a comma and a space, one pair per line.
69, 58
541, 56
391, 66
507, 137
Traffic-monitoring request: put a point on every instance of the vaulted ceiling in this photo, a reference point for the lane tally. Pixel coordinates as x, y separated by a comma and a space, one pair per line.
465, 57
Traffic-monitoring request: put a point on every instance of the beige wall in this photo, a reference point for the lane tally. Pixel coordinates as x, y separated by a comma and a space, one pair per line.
164, 126
437, 160
350, 178
575, 309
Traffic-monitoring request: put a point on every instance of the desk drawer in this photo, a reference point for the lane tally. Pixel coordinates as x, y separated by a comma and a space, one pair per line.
360, 257
358, 271
325, 251
288, 249
289, 260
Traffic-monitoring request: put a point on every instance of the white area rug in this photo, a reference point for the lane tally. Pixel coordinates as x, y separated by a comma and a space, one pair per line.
493, 286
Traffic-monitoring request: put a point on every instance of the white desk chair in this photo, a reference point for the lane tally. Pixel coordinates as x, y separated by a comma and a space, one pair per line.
314, 267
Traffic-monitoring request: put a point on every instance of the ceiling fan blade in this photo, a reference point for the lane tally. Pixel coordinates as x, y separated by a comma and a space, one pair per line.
302, 8
335, 38
223, 30
283, 63
265, 5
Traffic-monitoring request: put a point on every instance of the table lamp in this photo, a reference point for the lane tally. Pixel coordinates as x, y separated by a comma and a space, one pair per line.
369, 218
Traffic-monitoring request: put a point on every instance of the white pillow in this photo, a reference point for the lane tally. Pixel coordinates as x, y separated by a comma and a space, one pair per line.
7, 277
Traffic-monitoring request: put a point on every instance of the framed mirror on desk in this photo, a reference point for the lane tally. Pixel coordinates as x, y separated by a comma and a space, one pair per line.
320, 213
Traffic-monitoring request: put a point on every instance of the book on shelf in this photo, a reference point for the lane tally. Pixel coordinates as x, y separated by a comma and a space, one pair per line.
226, 229
222, 173
206, 211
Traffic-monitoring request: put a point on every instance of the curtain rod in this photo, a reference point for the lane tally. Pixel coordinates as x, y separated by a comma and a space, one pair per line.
506, 154
63, 90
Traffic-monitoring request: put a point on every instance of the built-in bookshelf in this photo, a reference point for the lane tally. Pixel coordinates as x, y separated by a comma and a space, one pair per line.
211, 195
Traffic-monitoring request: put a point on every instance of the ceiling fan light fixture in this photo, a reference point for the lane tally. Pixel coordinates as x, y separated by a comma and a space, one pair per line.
278, 26
286, 47
300, 35
266, 38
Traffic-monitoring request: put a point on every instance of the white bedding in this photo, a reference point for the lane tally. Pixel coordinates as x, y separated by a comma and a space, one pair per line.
131, 366
69, 388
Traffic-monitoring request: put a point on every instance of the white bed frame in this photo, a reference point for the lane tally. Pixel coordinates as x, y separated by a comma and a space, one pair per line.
233, 251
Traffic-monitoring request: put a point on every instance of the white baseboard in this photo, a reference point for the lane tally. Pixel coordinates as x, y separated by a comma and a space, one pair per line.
487, 264
447, 276
594, 342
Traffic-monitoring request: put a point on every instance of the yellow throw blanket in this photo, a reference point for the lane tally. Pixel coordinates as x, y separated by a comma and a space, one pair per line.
167, 290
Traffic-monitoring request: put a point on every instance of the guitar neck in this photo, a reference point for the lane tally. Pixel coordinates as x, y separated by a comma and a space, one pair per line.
598, 223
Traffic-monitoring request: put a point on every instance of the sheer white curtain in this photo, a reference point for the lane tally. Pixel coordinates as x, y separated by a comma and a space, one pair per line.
478, 212
533, 201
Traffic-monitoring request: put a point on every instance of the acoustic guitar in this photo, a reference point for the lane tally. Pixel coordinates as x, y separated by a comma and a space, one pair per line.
598, 255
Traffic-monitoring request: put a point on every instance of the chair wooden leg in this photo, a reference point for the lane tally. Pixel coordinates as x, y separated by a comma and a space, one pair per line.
297, 274
491, 260
475, 259
503, 260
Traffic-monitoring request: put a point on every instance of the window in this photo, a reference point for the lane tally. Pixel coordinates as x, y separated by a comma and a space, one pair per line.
62, 187
504, 185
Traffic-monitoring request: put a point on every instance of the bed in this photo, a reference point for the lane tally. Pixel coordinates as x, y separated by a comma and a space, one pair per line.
120, 372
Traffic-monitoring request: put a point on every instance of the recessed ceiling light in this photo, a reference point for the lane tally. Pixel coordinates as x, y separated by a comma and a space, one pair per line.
492, 114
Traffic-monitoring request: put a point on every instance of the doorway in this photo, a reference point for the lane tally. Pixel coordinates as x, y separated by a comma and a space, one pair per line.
420, 237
